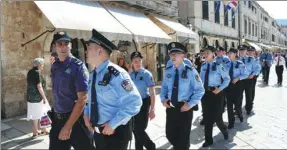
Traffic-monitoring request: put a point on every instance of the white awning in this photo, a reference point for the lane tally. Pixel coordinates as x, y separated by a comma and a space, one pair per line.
140, 25
80, 17
257, 48
180, 30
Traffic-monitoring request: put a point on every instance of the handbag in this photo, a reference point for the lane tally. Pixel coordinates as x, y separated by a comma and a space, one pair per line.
45, 121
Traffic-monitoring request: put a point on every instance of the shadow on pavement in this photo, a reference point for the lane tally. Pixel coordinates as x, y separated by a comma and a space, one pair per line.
20, 143
29, 143
164, 146
197, 133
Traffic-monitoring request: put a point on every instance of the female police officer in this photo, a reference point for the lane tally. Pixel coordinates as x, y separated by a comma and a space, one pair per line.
237, 72
212, 75
181, 90
144, 82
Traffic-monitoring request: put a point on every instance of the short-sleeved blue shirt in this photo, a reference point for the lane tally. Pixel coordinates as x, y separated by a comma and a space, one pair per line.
68, 78
143, 79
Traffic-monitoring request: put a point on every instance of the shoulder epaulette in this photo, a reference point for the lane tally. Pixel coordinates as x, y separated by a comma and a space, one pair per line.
113, 70
188, 67
239, 62
168, 67
77, 61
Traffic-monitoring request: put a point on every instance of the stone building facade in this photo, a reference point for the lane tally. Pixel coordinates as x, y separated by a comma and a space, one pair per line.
214, 28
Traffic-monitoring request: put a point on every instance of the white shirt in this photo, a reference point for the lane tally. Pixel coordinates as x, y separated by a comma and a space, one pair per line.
281, 61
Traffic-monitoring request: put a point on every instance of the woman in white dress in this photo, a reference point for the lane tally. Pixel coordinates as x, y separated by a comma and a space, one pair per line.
36, 97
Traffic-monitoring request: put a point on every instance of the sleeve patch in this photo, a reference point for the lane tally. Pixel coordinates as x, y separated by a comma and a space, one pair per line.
126, 84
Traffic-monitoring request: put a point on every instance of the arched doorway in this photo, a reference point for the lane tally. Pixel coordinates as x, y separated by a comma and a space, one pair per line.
204, 42
225, 45
216, 44
233, 45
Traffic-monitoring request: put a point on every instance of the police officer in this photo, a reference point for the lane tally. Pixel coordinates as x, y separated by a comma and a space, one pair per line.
181, 90
215, 79
266, 62
221, 58
251, 52
144, 82
113, 97
70, 85
237, 72
252, 69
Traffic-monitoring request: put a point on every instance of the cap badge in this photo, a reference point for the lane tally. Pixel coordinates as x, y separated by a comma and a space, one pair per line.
172, 45
61, 33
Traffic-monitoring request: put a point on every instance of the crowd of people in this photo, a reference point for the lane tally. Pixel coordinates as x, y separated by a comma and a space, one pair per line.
101, 108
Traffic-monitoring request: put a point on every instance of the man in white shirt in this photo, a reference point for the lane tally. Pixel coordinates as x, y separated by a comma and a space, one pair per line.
279, 62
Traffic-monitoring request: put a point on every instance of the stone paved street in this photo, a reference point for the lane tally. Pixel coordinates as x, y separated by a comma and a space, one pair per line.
266, 128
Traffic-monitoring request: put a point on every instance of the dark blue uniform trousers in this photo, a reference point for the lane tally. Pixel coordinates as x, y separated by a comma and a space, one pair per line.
79, 139
178, 126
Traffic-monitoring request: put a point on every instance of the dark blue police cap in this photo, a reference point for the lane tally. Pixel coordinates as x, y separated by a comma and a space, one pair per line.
136, 54
210, 48
176, 47
61, 36
251, 48
233, 50
242, 47
99, 39
221, 48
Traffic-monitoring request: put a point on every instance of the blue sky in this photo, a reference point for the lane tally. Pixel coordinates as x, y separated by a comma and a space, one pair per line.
276, 9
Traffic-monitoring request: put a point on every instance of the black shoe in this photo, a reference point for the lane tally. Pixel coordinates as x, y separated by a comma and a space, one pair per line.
201, 122
248, 112
206, 144
241, 118
225, 135
230, 126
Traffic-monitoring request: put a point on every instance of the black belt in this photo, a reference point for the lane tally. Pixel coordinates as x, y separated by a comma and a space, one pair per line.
211, 88
62, 116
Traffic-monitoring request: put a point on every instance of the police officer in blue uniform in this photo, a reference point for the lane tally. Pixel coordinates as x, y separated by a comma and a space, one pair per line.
237, 72
266, 62
221, 58
181, 90
113, 97
225, 61
70, 85
215, 79
144, 82
257, 68
252, 69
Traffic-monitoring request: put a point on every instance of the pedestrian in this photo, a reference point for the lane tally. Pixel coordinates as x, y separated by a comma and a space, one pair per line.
279, 61
144, 82
251, 53
252, 69
69, 78
189, 57
181, 90
215, 79
221, 58
266, 62
199, 60
122, 63
237, 73
113, 97
37, 102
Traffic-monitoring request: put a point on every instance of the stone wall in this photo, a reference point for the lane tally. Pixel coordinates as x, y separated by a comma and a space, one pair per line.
21, 22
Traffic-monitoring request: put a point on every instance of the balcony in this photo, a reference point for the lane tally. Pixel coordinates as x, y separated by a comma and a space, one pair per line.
157, 7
